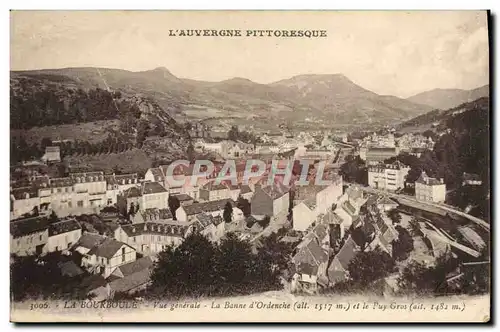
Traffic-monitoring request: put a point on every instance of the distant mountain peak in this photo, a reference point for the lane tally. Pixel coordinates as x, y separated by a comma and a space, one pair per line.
163, 72
238, 80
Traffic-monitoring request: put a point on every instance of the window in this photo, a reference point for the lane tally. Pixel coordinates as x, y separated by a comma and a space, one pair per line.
66, 189
123, 255
79, 203
59, 190
41, 237
70, 205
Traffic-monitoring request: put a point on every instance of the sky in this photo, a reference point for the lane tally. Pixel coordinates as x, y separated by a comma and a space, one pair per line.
395, 52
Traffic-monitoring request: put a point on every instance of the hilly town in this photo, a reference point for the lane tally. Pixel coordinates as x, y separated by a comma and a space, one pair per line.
385, 211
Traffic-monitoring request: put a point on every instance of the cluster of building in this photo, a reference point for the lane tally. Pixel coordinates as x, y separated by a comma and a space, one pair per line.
335, 232
376, 148
82, 192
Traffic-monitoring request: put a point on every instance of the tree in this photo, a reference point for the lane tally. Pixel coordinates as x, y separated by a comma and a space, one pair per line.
394, 216
131, 211
188, 270
354, 170
45, 142
53, 217
234, 261
244, 205
414, 227
416, 278
403, 245
369, 266
227, 214
173, 204
190, 152
233, 133
264, 222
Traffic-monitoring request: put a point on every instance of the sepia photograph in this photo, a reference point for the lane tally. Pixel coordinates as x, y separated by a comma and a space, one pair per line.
250, 166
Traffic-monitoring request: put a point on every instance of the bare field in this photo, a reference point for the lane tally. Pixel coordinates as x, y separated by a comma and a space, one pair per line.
134, 160
88, 131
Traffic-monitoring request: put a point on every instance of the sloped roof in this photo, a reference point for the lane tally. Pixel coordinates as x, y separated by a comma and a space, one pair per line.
428, 181
386, 200
206, 219
210, 206
64, 226
183, 197
157, 173
61, 182
94, 176
90, 240
245, 189
107, 248
170, 228
156, 214
321, 230
131, 281
347, 253
26, 226
136, 266
23, 192
152, 188
276, 190
132, 192
330, 217
310, 203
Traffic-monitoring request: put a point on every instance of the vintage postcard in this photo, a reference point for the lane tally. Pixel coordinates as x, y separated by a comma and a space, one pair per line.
249, 166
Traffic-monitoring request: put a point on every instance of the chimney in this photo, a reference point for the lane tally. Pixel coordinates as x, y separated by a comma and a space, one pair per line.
441, 180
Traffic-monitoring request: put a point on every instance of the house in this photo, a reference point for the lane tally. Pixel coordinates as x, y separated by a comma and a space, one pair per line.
153, 215
212, 191
385, 203
304, 214
310, 265
469, 179
128, 279
430, 189
29, 236
388, 176
336, 225
23, 200
102, 255
235, 149
211, 227
63, 234
184, 199
270, 201
214, 208
330, 195
92, 183
118, 183
149, 195
375, 155
151, 238
338, 271
52, 154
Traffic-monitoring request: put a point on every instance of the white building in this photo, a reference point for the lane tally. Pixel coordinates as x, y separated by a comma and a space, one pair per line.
150, 238
102, 255
63, 234
430, 189
388, 176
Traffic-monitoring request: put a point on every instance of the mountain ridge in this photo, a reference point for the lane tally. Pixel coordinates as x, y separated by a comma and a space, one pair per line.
444, 99
321, 98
